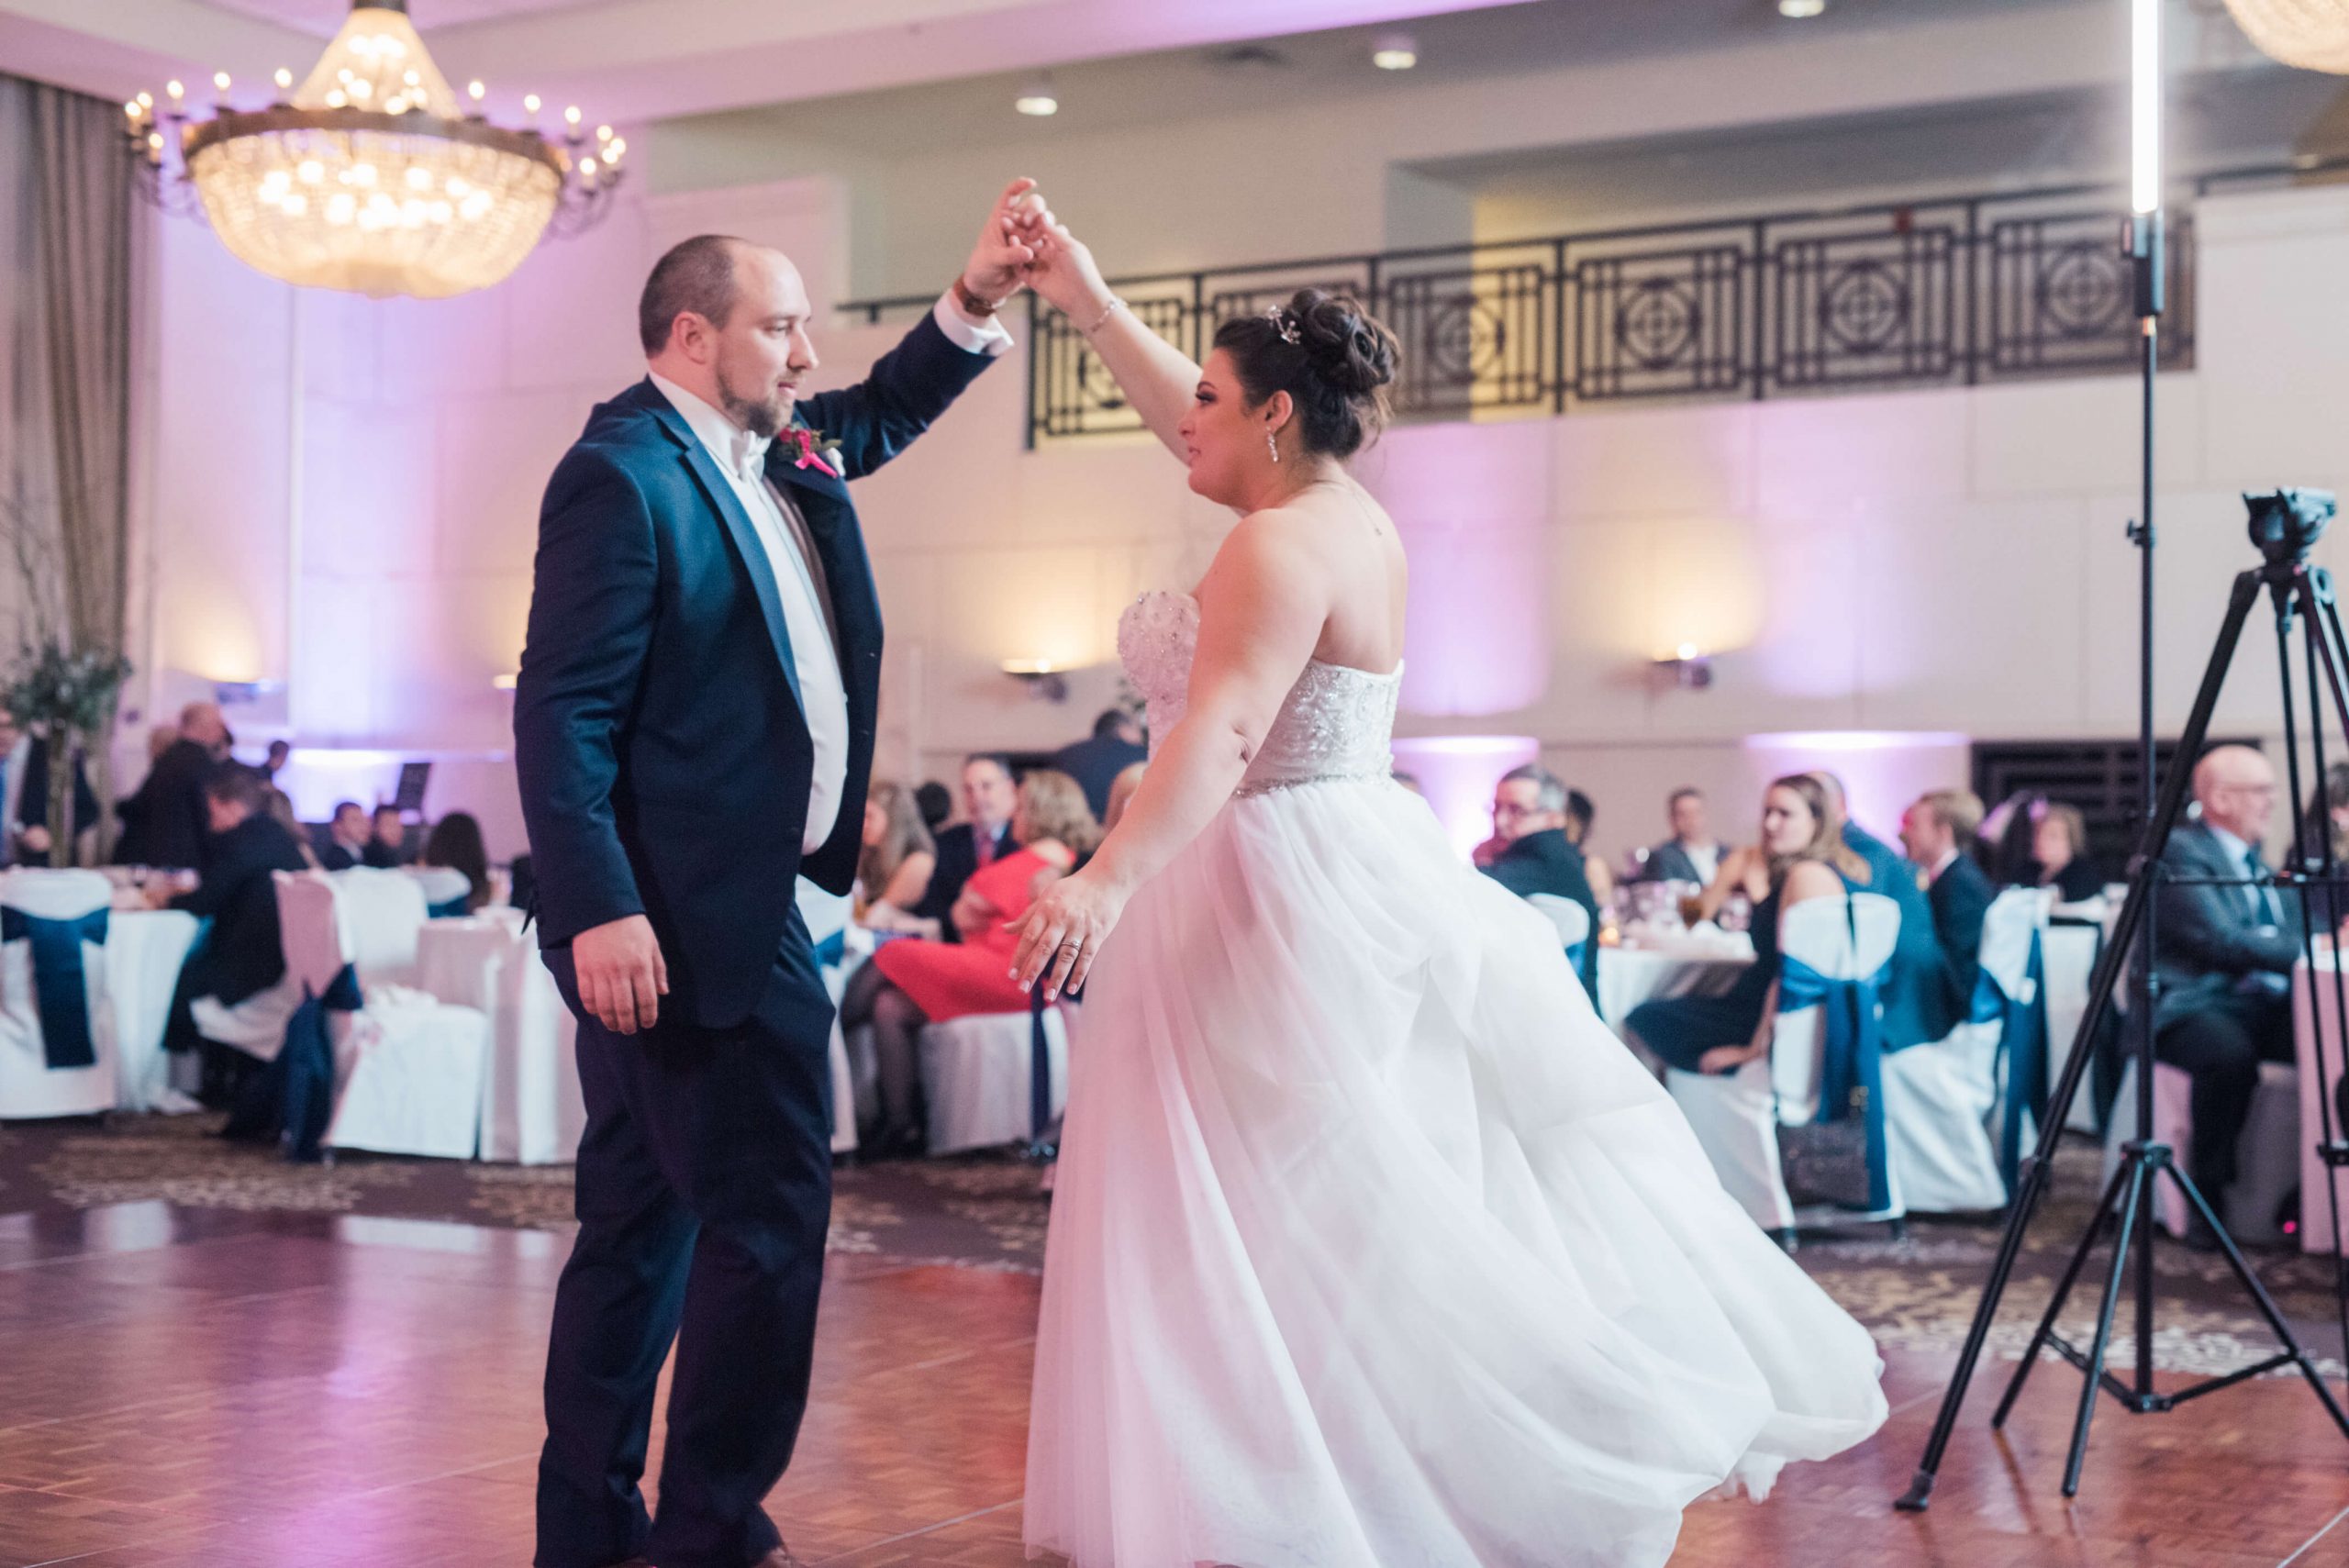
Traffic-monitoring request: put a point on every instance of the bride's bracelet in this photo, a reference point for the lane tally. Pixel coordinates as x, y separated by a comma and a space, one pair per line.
1115, 306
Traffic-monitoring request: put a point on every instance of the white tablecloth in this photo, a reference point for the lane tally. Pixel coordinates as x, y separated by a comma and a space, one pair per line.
1629, 976
2067, 957
531, 1106
145, 951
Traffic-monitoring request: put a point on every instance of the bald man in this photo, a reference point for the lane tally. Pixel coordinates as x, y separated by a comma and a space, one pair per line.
2223, 956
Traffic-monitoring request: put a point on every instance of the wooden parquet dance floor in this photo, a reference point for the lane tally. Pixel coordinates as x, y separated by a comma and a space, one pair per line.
206, 1389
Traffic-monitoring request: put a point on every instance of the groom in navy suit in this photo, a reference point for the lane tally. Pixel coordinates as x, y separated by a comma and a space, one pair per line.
693, 727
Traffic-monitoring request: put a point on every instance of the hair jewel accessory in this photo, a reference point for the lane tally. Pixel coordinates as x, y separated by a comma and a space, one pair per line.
1286, 325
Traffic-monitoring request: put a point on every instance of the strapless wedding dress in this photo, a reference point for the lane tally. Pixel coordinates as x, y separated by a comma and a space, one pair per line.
1371, 1245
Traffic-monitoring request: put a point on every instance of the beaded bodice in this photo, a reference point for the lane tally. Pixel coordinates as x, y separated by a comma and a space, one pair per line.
1338, 722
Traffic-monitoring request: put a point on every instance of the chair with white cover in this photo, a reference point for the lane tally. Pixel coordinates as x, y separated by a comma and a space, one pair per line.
2268, 1153
1843, 942
826, 915
1938, 1097
978, 1075
1571, 920
407, 1068
380, 912
446, 890
57, 1050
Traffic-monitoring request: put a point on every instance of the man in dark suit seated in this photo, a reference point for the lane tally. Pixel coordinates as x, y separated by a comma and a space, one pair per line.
1536, 856
387, 849
1691, 855
23, 795
241, 956
347, 838
2223, 956
1095, 763
1916, 1003
988, 794
1939, 832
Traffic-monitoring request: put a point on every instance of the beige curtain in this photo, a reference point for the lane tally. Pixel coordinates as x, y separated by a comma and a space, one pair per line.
67, 231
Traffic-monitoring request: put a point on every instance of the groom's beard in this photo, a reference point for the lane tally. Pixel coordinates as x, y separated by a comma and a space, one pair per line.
762, 417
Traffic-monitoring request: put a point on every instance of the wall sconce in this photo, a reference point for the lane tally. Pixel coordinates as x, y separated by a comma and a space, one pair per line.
505, 683
226, 692
1045, 682
1688, 667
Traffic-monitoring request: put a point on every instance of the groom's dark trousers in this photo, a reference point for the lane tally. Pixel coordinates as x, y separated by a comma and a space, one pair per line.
666, 765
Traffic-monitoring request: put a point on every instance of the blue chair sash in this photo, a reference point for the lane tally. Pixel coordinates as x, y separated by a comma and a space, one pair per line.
1851, 1048
453, 909
61, 985
2022, 1051
305, 1067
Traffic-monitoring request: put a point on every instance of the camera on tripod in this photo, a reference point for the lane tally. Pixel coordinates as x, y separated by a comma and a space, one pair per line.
2286, 523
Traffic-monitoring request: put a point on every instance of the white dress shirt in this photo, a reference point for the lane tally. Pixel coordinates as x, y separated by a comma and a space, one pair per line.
1704, 858
806, 606
807, 615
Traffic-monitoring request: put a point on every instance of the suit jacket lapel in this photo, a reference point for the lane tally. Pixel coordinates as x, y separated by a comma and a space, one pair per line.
739, 529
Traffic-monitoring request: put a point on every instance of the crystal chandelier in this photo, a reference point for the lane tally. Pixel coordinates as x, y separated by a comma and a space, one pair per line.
373, 178
2310, 34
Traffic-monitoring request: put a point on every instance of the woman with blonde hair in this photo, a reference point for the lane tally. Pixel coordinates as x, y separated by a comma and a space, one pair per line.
910, 983
892, 870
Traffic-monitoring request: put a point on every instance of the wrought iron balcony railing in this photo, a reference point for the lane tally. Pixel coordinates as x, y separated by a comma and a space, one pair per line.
1931, 293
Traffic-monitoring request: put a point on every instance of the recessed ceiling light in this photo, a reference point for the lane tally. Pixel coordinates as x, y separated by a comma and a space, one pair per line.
1396, 51
1798, 9
1037, 98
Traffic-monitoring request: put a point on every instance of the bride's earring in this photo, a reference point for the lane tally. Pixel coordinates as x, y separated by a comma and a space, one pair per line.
1271, 443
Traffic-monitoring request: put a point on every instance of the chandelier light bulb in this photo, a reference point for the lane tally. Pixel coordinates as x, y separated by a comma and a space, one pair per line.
284, 78
530, 103
175, 90
219, 81
476, 90
571, 116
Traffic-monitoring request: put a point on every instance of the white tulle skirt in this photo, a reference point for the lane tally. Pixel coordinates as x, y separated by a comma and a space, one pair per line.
1372, 1247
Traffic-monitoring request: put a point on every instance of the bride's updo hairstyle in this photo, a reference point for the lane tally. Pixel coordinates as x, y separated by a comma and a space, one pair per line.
1329, 354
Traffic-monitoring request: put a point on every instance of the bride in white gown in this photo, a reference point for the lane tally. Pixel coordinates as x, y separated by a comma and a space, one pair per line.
1371, 1245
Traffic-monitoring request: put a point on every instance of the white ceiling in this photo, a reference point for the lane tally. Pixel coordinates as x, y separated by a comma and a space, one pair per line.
1097, 95
323, 17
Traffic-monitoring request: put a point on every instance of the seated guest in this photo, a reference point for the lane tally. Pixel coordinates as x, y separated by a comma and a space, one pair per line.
1915, 996
455, 844
165, 823
913, 982
1803, 857
1690, 854
1537, 855
2224, 957
1095, 763
1121, 795
1938, 832
1580, 814
388, 846
242, 955
974, 844
892, 871
2059, 848
347, 837
280, 753
937, 804
23, 795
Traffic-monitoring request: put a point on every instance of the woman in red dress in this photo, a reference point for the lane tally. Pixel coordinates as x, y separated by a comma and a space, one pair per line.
911, 982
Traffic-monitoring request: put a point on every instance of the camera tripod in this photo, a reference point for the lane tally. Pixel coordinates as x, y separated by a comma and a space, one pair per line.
2284, 525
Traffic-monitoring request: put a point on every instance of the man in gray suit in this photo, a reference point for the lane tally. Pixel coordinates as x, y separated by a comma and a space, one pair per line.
2223, 956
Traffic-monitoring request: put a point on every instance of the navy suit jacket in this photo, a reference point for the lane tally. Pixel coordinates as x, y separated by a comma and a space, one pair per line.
664, 757
1960, 897
2207, 941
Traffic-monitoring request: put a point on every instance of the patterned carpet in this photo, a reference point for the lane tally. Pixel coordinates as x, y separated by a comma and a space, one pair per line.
988, 1212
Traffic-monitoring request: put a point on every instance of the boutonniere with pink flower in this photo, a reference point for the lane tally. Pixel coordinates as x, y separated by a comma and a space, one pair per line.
811, 449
